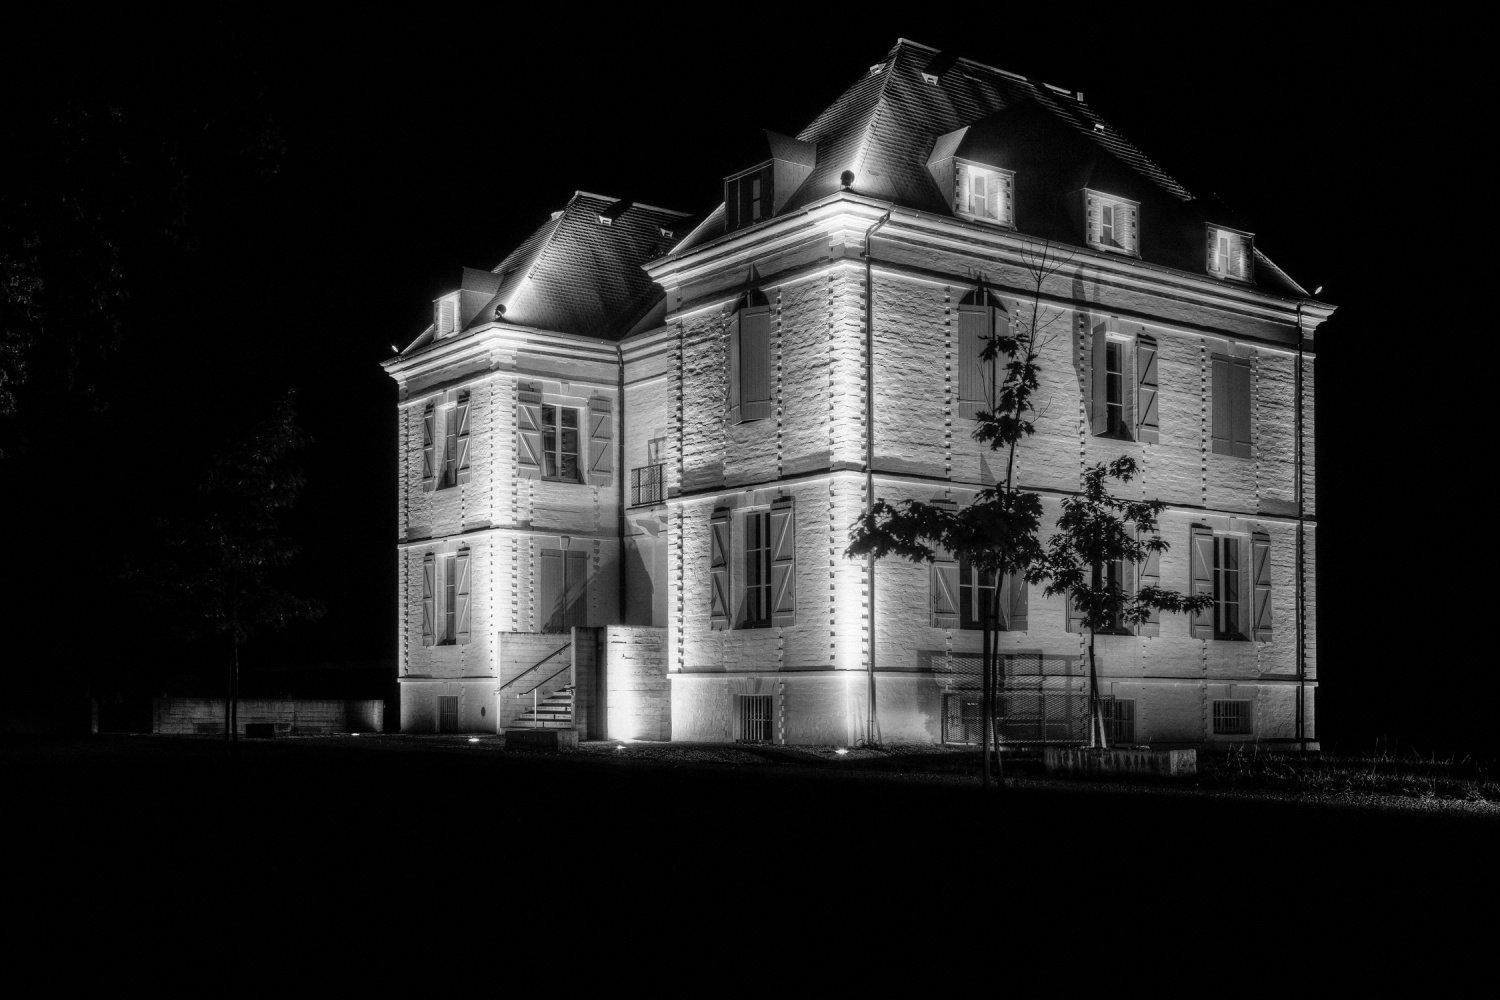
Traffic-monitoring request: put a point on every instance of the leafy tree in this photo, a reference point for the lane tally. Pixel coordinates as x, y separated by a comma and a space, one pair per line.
1098, 535
996, 533
222, 557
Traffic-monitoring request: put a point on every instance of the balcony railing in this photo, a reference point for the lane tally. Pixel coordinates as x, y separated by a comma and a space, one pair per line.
646, 485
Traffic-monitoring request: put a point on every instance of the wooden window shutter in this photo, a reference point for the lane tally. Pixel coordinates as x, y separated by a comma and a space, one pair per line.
783, 563
1131, 241
429, 583
529, 446
1213, 250
975, 326
1146, 385
576, 590
1091, 218
429, 458
1202, 541
1150, 576
1099, 413
718, 569
601, 442
1244, 256
755, 363
1260, 555
445, 317
1014, 601
732, 328
1239, 443
1007, 199
1220, 389
461, 592
461, 434
551, 591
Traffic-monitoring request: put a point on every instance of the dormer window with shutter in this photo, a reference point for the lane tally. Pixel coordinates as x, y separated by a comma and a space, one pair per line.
1230, 253
445, 316
748, 198
982, 193
1113, 223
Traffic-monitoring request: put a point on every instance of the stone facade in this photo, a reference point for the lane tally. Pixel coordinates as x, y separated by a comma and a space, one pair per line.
862, 295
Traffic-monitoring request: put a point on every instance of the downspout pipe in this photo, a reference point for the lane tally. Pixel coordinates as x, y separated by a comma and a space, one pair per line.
871, 732
1301, 553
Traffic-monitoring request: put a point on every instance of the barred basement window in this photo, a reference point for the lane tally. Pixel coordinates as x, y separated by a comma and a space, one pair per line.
755, 719
646, 485
1119, 720
448, 713
1232, 718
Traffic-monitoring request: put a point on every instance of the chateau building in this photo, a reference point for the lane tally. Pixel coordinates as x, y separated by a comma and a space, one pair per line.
650, 434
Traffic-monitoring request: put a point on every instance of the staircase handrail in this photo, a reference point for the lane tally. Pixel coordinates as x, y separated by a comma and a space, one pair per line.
538, 663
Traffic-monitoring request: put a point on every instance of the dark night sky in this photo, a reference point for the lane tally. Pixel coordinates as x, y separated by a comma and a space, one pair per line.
413, 147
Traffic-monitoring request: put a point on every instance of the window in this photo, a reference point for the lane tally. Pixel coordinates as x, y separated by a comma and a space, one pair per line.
756, 722
1232, 718
963, 719
980, 319
646, 485
1231, 406
1112, 222
961, 592
1122, 390
445, 598
747, 198
445, 442
982, 193
560, 443
1119, 720
757, 570
446, 317
447, 713
562, 590
1230, 253
1112, 573
1227, 588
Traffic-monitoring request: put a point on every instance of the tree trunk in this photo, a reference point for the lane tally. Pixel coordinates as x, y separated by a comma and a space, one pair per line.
234, 693
1096, 710
985, 702
997, 676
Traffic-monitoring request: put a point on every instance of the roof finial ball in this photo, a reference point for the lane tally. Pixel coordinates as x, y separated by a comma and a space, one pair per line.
847, 179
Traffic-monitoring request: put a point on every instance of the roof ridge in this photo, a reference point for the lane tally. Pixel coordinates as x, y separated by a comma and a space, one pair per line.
633, 204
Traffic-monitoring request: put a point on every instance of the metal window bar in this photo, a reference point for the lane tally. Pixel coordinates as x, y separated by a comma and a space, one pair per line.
755, 718
646, 484
1119, 720
1232, 718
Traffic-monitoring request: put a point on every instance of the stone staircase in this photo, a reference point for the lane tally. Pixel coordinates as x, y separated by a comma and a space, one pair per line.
554, 711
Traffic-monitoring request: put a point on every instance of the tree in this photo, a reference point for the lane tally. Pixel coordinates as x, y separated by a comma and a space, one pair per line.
222, 555
1100, 536
996, 534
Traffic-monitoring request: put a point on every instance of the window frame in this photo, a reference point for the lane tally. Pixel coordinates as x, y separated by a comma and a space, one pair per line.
763, 201
970, 591
756, 609
1237, 722
445, 593
1225, 578
1220, 235
1114, 202
1114, 388
552, 438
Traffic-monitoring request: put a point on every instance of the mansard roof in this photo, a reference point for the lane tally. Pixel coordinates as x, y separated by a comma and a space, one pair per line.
580, 271
885, 126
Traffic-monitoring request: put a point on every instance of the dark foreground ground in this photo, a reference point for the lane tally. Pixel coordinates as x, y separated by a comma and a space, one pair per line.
387, 843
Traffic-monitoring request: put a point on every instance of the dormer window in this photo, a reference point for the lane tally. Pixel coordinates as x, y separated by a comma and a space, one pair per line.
445, 316
747, 198
1230, 253
1113, 223
982, 193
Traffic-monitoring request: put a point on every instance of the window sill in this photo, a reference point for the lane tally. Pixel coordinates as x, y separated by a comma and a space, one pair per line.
1112, 248
560, 479
999, 224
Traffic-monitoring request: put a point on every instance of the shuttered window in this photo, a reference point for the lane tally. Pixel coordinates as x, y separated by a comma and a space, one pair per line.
983, 193
1230, 253
748, 198
1112, 222
1231, 406
562, 589
1227, 605
976, 588
460, 432
1260, 558
718, 569
1112, 408
783, 563
750, 364
1232, 717
757, 570
529, 435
